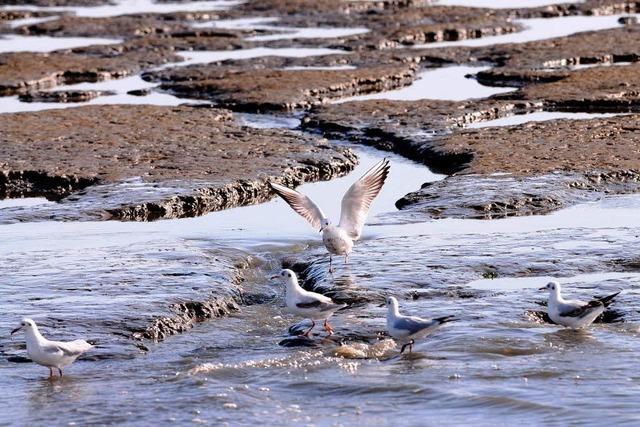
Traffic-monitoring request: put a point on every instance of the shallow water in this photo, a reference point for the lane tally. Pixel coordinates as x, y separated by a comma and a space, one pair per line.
208, 56
119, 87
503, 4
18, 43
446, 83
539, 116
130, 7
496, 366
287, 33
30, 21
540, 29
282, 33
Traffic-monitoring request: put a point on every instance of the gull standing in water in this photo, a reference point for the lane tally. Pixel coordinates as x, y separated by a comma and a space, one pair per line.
574, 314
308, 304
339, 239
407, 329
52, 354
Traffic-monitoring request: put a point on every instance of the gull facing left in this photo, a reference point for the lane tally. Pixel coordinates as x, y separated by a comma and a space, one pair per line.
52, 354
310, 305
407, 329
339, 239
574, 314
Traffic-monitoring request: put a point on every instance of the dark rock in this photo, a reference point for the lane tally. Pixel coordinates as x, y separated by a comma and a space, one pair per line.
266, 89
139, 92
63, 96
299, 341
25, 71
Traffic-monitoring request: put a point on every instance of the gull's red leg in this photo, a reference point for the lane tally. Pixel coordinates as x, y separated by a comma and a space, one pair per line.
313, 324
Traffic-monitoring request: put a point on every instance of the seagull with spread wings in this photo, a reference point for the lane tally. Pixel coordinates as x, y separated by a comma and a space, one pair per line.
52, 354
574, 313
339, 239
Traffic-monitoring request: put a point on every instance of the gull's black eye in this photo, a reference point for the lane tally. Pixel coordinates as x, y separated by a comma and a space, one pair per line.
289, 274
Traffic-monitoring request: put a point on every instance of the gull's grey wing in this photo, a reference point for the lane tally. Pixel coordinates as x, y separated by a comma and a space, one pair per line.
579, 311
414, 324
73, 348
321, 302
357, 200
304, 206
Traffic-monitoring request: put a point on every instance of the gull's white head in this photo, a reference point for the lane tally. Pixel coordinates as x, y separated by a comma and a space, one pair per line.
392, 304
324, 223
27, 324
552, 287
287, 276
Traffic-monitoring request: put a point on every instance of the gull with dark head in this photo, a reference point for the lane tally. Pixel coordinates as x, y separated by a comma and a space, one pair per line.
339, 239
52, 354
574, 314
408, 329
310, 305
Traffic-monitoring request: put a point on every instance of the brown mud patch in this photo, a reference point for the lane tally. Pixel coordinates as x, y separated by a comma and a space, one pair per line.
207, 161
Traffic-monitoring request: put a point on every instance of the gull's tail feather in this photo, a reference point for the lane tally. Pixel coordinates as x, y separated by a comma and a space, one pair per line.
608, 300
446, 319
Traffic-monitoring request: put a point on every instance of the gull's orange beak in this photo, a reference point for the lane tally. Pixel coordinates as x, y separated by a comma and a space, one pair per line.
543, 288
16, 330
275, 277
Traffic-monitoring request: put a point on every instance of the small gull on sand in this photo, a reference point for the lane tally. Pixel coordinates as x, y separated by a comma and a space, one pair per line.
52, 354
574, 313
308, 304
339, 239
407, 329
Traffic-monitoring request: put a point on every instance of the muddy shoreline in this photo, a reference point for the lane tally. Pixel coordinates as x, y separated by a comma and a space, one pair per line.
198, 155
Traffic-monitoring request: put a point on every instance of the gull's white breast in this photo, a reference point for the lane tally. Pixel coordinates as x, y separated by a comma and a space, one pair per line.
336, 240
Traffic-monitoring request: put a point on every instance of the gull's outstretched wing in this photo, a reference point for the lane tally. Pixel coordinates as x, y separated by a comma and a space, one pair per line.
357, 200
300, 203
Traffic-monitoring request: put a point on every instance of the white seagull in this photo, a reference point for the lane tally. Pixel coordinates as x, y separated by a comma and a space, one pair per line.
407, 329
52, 354
339, 239
574, 314
310, 305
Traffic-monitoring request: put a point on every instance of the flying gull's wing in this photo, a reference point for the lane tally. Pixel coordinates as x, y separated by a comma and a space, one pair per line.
357, 200
300, 203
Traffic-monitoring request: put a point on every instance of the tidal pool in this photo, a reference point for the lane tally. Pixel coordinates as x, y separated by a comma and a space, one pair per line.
539, 29
446, 83
130, 7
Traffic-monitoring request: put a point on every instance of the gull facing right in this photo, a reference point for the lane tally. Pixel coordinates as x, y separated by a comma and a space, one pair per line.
308, 304
574, 314
356, 201
52, 354
407, 329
